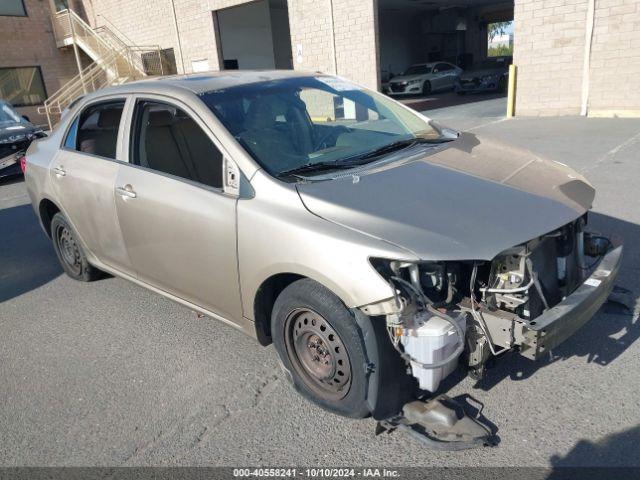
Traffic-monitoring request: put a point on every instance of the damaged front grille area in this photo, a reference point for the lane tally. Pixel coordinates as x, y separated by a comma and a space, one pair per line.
489, 308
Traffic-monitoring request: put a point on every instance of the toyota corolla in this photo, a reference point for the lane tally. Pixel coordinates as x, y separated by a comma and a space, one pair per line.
370, 245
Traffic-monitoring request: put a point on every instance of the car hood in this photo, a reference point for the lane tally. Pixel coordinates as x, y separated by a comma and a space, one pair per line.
408, 78
482, 72
468, 200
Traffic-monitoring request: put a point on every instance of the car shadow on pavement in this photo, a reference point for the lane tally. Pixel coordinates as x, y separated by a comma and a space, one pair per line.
603, 339
620, 449
27, 259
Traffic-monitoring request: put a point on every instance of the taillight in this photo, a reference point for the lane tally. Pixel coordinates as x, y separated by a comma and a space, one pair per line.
23, 164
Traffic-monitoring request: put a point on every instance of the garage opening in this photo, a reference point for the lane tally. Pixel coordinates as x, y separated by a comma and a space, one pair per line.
435, 54
255, 35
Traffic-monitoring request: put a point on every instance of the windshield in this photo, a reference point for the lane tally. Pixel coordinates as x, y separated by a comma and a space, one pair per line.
8, 116
417, 70
290, 123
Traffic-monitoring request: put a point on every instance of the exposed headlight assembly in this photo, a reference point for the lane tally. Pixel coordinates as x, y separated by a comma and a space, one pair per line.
426, 334
437, 281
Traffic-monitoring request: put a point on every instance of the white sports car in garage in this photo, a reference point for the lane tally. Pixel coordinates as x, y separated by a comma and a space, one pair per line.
424, 78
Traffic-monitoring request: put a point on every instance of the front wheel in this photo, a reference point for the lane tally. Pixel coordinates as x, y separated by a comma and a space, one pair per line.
322, 347
426, 88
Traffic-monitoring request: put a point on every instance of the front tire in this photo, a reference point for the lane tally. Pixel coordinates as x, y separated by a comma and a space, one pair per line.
426, 88
322, 347
70, 253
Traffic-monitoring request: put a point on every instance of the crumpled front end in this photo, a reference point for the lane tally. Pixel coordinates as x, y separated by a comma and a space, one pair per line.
530, 298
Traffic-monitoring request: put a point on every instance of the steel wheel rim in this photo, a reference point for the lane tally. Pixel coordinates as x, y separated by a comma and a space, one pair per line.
69, 249
318, 354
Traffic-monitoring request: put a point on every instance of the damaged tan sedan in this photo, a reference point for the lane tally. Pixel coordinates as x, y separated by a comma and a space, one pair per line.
375, 249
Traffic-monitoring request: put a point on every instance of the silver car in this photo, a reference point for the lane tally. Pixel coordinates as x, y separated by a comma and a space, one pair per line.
371, 246
424, 78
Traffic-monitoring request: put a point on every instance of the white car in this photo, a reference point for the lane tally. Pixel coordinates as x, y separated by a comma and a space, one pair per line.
424, 78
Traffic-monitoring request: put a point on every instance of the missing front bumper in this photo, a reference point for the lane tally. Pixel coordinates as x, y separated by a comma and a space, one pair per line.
557, 324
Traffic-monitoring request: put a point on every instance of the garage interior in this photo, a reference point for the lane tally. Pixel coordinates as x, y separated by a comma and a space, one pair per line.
255, 35
422, 31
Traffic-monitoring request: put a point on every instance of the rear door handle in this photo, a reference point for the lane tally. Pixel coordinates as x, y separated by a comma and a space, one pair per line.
126, 191
60, 171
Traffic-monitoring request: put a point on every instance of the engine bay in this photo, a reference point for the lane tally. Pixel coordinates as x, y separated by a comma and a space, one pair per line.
479, 309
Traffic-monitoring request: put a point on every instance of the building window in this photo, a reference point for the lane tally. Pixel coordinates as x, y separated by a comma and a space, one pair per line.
12, 8
22, 86
61, 5
500, 39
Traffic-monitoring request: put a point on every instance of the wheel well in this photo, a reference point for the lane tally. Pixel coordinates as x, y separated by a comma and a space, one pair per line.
263, 303
47, 210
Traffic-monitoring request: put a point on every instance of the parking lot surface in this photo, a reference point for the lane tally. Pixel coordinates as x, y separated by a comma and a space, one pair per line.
108, 373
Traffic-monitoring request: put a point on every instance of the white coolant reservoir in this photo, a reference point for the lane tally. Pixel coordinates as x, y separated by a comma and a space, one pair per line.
429, 339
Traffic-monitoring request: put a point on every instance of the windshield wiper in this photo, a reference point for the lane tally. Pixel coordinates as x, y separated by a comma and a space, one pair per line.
402, 144
317, 167
360, 159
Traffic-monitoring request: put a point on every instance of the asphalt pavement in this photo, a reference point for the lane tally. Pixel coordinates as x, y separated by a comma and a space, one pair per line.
110, 374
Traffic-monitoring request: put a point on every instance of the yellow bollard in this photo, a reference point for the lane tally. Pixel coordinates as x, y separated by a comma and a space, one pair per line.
511, 96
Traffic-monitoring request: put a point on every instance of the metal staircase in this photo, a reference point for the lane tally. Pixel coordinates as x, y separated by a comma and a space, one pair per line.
114, 61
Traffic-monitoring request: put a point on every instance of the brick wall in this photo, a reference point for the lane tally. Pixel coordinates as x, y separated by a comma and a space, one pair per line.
29, 41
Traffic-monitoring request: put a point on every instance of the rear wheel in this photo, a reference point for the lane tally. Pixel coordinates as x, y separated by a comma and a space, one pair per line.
322, 347
69, 252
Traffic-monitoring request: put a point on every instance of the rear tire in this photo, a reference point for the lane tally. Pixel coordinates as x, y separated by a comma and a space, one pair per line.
69, 252
322, 348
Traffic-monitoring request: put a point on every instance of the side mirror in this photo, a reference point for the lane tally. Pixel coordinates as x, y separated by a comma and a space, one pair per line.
26, 118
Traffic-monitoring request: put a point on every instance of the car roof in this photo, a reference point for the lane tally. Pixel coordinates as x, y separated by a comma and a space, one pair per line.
203, 82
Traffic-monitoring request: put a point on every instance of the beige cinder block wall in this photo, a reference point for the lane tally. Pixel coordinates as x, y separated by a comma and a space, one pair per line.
336, 37
27, 42
614, 86
326, 35
149, 22
550, 41
549, 51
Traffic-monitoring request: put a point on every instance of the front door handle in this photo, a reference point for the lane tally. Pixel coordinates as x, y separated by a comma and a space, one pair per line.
60, 171
126, 191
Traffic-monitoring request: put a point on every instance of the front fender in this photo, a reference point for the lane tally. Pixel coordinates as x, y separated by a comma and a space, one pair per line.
277, 234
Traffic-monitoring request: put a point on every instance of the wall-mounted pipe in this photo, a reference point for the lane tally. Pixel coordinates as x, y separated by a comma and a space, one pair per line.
586, 64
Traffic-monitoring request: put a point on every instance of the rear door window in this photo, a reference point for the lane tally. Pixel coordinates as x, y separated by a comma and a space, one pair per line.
95, 130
